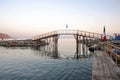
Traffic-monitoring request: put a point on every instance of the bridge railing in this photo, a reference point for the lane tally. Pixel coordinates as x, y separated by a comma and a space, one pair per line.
112, 51
69, 32
79, 32
66, 32
44, 35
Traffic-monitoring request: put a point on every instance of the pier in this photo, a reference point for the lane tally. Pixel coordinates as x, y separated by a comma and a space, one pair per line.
104, 68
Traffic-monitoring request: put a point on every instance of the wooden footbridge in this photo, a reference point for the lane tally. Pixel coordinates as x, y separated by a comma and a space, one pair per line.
81, 37
68, 32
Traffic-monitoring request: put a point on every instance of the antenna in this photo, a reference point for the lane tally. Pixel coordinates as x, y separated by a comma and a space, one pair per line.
66, 26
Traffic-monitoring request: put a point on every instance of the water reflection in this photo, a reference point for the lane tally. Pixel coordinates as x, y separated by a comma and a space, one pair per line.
51, 52
64, 48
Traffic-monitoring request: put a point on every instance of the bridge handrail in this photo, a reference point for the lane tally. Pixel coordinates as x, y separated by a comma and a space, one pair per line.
58, 32
44, 35
113, 46
109, 50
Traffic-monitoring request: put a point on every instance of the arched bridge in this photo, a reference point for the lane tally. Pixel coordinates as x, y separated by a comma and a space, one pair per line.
82, 37
69, 32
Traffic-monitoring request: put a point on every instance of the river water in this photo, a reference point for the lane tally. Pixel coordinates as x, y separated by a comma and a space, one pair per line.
25, 63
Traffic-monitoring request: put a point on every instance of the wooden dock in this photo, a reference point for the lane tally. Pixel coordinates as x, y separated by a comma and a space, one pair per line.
104, 68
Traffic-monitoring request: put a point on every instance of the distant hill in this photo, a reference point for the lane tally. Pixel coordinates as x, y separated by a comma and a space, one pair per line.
4, 36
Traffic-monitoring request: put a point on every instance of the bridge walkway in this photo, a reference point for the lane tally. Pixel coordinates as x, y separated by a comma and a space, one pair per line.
68, 32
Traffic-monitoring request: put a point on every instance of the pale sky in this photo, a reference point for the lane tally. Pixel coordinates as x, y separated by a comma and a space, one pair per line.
27, 18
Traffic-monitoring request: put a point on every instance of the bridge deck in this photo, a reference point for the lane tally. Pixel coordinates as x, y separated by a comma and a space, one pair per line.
104, 68
68, 32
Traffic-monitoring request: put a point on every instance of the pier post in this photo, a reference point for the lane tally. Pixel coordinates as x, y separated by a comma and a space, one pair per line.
86, 45
77, 45
83, 46
55, 46
80, 45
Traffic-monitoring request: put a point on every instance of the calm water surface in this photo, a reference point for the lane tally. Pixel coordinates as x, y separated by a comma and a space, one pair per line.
22, 63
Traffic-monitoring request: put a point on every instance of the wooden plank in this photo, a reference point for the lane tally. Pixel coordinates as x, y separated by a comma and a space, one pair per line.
113, 68
104, 68
105, 71
97, 68
100, 66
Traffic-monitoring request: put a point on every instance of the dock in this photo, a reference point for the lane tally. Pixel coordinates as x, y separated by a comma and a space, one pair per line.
104, 68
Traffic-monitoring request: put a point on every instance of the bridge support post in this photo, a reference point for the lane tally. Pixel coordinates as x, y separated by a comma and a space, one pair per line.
77, 45
80, 45
86, 43
55, 46
83, 46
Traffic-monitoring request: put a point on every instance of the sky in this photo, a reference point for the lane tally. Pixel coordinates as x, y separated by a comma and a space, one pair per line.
27, 18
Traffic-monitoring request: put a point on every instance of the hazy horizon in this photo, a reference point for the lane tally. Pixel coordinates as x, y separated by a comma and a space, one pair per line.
27, 18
